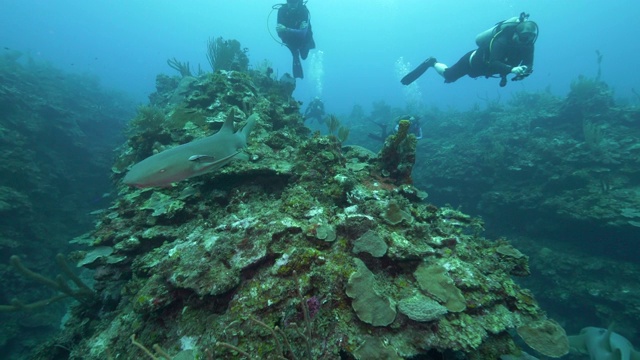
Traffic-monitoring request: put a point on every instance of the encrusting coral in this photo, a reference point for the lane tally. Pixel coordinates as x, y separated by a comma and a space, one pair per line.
398, 155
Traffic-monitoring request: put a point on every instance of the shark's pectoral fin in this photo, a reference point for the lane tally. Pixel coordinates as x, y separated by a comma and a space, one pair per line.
202, 158
203, 162
206, 163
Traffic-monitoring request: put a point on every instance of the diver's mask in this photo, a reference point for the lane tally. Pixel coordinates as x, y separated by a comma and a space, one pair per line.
526, 33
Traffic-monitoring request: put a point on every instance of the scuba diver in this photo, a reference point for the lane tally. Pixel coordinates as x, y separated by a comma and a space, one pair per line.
315, 110
414, 128
506, 48
294, 29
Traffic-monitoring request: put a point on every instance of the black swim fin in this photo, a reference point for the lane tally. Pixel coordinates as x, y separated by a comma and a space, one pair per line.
297, 70
417, 72
297, 66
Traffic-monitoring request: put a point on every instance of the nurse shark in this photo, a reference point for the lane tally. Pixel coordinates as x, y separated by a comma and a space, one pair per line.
192, 159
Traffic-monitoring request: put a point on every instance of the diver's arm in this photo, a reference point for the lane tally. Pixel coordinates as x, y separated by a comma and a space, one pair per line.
297, 32
299, 18
303, 20
527, 58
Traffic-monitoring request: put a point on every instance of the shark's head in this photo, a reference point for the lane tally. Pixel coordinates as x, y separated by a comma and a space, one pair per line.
155, 171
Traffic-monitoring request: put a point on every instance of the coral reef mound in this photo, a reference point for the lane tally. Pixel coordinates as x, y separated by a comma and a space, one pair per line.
279, 256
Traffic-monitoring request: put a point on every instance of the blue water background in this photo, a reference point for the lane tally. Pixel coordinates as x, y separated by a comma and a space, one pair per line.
127, 43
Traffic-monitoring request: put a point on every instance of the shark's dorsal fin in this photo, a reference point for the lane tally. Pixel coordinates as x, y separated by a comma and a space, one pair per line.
227, 127
607, 338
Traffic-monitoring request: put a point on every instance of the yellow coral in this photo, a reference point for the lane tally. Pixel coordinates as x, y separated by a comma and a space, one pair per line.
403, 131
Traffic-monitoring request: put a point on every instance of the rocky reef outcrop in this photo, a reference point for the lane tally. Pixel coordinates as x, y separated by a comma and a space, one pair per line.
307, 250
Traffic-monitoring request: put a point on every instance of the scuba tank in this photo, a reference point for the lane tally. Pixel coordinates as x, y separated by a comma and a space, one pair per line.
483, 39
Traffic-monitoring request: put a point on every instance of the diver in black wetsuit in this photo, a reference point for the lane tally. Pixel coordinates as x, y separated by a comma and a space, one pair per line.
507, 48
315, 110
294, 29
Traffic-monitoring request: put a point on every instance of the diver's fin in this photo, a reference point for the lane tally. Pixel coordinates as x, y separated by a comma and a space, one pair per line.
417, 72
297, 67
297, 70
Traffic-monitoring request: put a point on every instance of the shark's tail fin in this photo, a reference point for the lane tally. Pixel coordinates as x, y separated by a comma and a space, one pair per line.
251, 122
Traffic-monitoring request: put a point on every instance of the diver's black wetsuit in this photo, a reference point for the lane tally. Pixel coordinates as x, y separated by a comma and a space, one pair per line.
498, 59
299, 41
315, 110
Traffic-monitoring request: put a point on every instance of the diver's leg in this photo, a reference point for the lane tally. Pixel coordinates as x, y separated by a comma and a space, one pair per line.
304, 52
455, 72
308, 45
440, 68
297, 65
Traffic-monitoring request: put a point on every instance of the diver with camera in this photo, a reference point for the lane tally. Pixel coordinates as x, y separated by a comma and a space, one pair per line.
506, 48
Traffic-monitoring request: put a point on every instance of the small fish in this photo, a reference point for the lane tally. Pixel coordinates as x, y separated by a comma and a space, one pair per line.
191, 159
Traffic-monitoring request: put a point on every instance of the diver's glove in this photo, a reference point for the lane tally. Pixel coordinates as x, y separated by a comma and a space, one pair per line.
521, 77
519, 70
